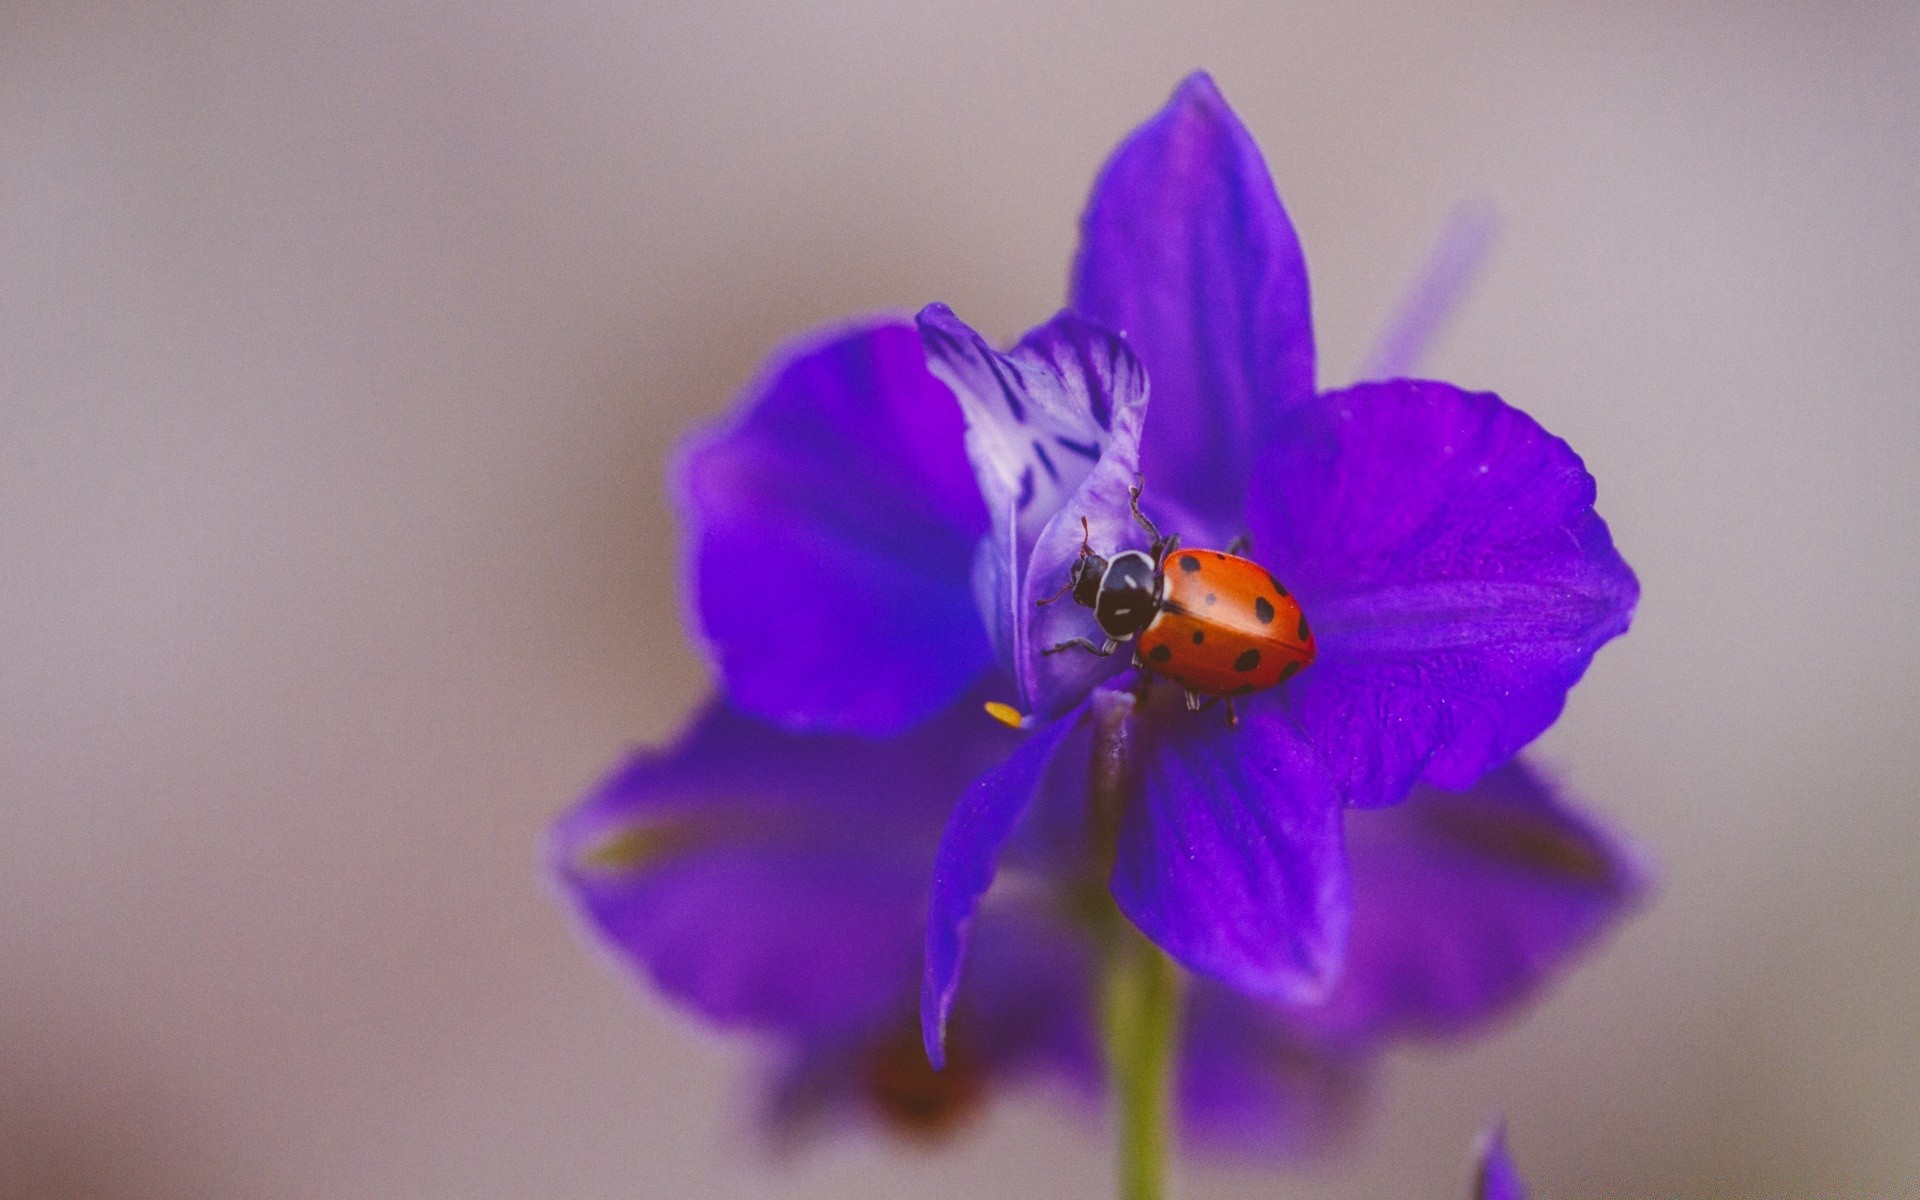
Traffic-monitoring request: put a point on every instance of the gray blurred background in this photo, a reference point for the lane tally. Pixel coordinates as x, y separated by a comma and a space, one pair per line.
341, 350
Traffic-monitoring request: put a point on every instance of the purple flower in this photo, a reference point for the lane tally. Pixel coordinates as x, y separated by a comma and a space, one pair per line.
864, 553
775, 882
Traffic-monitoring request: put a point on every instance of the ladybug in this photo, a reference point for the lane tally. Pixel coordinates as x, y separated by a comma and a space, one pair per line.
1212, 621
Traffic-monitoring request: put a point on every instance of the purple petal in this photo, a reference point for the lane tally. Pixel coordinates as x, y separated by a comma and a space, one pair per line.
1430, 303
1053, 429
1446, 550
1187, 251
833, 532
1496, 1178
1467, 903
1231, 858
767, 878
1249, 1085
969, 853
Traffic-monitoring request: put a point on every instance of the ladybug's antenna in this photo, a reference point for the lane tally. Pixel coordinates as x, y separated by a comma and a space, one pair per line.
1086, 551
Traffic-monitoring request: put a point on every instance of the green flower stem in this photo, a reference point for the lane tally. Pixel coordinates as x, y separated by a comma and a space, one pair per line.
1142, 1016
1141, 997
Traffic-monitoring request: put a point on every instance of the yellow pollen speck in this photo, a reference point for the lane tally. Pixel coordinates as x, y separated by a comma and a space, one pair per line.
1006, 714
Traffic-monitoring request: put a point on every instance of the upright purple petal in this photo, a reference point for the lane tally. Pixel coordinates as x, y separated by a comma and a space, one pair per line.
1447, 553
1467, 903
1495, 1177
1250, 1085
1187, 251
833, 532
766, 878
969, 854
1231, 857
1430, 302
1053, 429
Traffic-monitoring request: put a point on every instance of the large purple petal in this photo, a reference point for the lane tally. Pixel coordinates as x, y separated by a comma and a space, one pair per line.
1053, 429
1186, 250
1447, 552
1231, 856
969, 854
1466, 903
1496, 1177
767, 878
833, 531
1251, 1085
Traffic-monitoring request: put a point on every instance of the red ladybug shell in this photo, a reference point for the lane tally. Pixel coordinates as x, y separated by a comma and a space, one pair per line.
1225, 627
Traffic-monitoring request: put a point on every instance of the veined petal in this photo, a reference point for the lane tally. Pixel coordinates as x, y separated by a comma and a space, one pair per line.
1251, 1086
1186, 250
767, 878
1467, 903
1447, 553
1496, 1177
833, 532
969, 854
1231, 856
1053, 429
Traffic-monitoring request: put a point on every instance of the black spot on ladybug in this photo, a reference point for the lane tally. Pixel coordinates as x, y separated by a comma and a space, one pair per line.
1199, 635
1160, 653
1211, 597
1189, 563
1248, 660
1305, 633
1277, 585
1263, 610
1290, 670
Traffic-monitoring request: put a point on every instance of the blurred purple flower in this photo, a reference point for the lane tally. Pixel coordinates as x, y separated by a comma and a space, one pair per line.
1495, 1177
866, 556
775, 882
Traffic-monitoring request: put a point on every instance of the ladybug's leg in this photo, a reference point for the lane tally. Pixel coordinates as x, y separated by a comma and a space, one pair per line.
1164, 547
1193, 700
1233, 715
1146, 523
1239, 546
1105, 651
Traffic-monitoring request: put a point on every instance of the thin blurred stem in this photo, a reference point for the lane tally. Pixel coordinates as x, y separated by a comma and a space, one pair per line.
1142, 1004
1141, 997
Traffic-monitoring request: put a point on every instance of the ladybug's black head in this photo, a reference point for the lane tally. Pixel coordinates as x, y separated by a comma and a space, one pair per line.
1084, 582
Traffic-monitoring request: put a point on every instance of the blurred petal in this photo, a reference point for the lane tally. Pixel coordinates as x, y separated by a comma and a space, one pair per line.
969, 855
767, 878
1249, 1086
1053, 429
1186, 250
1446, 550
1430, 303
1496, 1177
1025, 1011
833, 532
1231, 857
1467, 903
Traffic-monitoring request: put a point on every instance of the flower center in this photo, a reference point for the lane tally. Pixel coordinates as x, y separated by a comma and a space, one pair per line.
916, 1101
